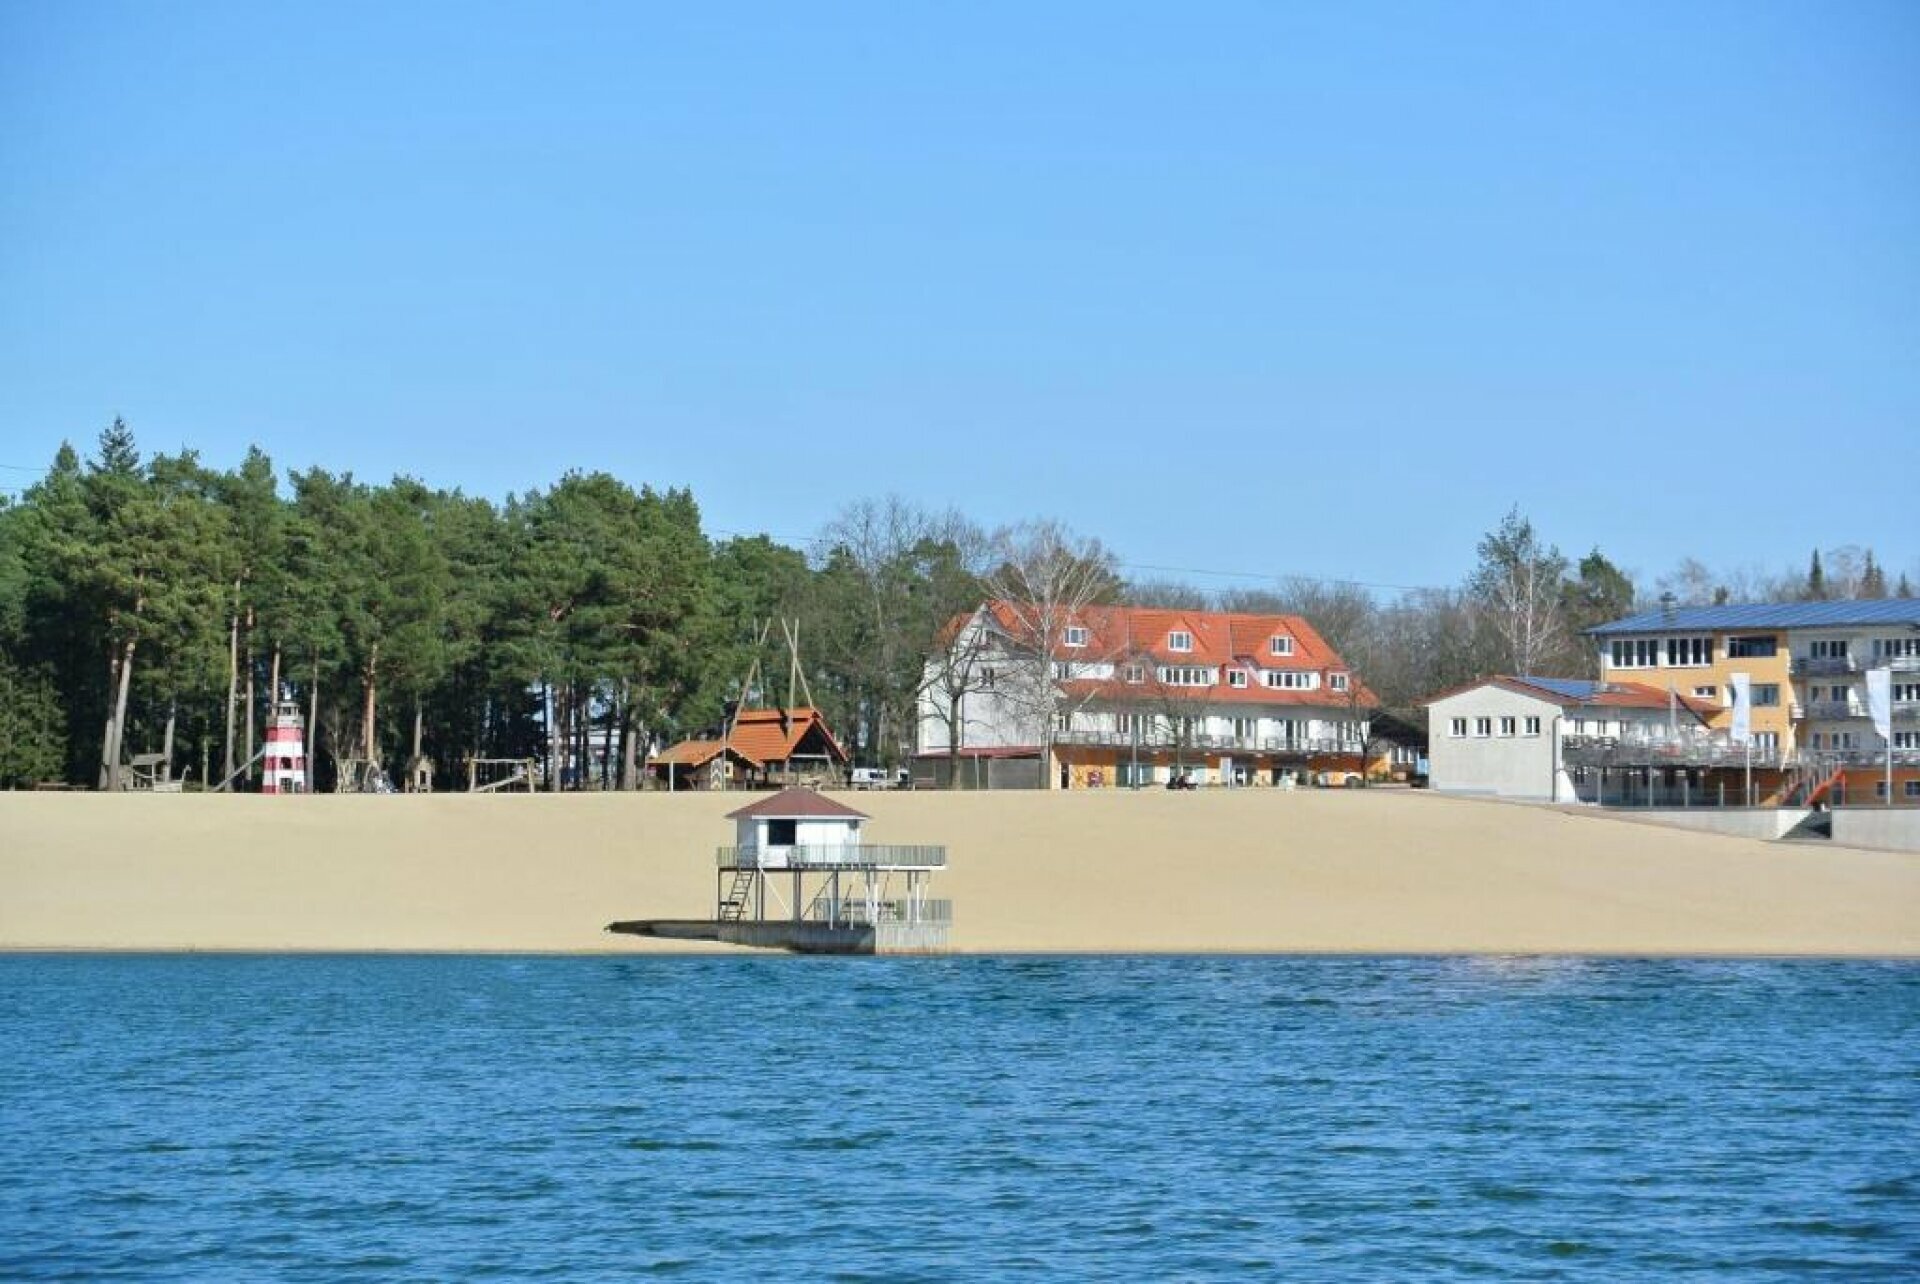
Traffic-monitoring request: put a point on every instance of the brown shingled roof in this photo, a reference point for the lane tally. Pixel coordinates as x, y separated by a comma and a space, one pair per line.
796, 804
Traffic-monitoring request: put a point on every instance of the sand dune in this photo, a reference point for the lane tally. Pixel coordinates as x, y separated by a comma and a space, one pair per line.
1255, 871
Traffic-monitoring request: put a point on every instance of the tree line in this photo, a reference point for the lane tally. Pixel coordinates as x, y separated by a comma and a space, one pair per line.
159, 605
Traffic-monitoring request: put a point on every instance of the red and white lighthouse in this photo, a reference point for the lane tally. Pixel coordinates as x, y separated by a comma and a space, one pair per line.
284, 768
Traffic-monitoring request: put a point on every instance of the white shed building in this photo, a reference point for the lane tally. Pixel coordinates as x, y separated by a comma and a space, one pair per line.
1507, 736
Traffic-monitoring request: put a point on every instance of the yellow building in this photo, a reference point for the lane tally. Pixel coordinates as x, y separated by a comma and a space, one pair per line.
1806, 664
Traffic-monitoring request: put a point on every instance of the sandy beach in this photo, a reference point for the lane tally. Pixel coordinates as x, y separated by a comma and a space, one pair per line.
1249, 871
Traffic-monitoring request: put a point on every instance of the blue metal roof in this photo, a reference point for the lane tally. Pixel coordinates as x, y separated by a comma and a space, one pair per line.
1565, 688
1896, 612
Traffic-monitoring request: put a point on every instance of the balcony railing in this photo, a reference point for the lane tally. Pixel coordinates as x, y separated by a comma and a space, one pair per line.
841, 856
1658, 751
1834, 710
1610, 751
1826, 665
1240, 744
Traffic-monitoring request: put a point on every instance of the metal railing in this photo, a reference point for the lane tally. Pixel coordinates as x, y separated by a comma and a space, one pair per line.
933, 912
839, 856
1658, 751
1242, 744
1827, 665
1822, 665
1902, 711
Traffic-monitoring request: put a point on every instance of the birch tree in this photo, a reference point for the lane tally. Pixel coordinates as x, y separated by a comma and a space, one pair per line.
1518, 587
1044, 577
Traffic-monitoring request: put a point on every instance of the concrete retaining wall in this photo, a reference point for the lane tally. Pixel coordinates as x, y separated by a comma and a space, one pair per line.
1891, 828
1742, 822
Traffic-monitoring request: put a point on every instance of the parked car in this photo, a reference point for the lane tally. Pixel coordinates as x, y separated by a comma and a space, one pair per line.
880, 778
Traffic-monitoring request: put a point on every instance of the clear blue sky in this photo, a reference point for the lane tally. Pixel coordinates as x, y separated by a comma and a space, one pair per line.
1270, 288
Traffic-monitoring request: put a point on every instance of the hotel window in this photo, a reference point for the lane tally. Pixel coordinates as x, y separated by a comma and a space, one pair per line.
1690, 653
1076, 636
1904, 691
1893, 648
1766, 742
1483, 726
1906, 740
1062, 670
1337, 681
1179, 641
1128, 723
1279, 645
1289, 679
1766, 695
1186, 675
1533, 726
1911, 788
1457, 728
1758, 647
1246, 728
1635, 653
1064, 721
1236, 677
1706, 693
1507, 726
1830, 650
1135, 672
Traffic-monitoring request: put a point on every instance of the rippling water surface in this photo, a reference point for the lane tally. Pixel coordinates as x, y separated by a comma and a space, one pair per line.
774, 1117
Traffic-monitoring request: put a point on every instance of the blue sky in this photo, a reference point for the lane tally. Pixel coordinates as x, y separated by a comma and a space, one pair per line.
1262, 288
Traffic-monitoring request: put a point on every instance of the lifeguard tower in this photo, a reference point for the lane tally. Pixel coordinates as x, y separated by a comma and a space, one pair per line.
283, 768
799, 876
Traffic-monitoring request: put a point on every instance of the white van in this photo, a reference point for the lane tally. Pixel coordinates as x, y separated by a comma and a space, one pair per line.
880, 778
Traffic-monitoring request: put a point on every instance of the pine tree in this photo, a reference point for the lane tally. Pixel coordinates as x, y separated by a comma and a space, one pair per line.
1816, 590
1873, 580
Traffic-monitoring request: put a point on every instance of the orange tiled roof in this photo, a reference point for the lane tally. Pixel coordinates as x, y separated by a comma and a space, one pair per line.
1221, 640
696, 753
772, 735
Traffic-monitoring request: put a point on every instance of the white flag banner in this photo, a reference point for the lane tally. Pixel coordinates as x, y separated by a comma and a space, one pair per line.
1880, 701
1742, 688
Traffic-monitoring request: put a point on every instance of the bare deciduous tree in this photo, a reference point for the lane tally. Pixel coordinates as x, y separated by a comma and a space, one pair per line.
1044, 576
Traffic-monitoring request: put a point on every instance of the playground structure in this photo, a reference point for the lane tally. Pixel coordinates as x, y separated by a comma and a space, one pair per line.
518, 774
149, 773
760, 747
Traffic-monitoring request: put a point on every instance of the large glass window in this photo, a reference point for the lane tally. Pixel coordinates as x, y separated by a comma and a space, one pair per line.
1766, 695
1753, 647
1690, 653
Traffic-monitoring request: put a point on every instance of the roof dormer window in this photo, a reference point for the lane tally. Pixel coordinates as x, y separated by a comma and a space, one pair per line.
1179, 640
1076, 635
1236, 677
1279, 644
1338, 681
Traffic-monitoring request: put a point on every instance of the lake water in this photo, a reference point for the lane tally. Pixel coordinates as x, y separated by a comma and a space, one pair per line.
327, 1118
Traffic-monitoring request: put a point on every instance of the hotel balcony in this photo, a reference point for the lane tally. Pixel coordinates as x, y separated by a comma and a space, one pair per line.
1160, 739
1840, 710
1831, 666
1660, 751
